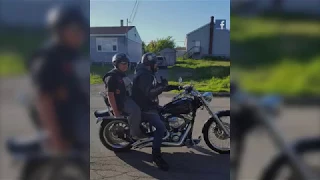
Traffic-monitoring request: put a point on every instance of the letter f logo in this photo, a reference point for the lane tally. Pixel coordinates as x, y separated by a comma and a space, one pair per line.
221, 24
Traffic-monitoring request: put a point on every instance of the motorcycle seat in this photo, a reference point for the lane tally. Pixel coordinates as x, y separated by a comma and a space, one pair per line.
102, 113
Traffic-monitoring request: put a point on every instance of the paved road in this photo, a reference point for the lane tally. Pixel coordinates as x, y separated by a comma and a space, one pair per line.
295, 122
186, 163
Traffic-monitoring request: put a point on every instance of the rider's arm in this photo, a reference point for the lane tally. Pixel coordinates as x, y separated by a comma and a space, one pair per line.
49, 120
48, 88
146, 85
111, 89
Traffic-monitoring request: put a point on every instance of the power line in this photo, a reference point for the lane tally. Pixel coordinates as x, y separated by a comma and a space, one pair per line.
135, 12
134, 7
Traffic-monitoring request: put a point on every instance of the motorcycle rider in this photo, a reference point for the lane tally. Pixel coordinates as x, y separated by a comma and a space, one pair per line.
61, 79
145, 93
118, 87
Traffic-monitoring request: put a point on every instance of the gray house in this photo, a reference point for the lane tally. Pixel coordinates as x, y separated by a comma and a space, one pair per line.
107, 41
208, 41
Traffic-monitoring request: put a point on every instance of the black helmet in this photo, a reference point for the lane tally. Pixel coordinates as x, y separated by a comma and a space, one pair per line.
149, 59
119, 58
59, 17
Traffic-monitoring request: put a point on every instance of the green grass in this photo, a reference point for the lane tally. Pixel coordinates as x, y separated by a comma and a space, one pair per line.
11, 64
16, 46
205, 75
275, 55
97, 71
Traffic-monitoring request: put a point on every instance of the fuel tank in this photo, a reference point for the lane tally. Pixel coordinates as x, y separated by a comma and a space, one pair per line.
179, 106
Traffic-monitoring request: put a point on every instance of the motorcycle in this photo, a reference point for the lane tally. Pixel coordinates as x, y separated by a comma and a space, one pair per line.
179, 118
250, 112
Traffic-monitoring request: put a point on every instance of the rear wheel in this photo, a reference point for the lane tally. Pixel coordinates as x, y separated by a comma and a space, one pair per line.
212, 133
113, 133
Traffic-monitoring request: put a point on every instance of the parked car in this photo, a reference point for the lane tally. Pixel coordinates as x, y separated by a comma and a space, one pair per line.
162, 62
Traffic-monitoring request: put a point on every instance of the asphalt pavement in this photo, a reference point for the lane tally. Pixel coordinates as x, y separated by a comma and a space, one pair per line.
186, 163
197, 162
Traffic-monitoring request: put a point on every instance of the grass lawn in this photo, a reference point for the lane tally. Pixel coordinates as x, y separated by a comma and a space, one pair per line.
16, 45
290, 62
205, 75
11, 64
97, 71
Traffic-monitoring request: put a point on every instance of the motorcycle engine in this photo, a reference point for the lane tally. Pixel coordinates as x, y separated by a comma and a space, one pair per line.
176, 122
176, 127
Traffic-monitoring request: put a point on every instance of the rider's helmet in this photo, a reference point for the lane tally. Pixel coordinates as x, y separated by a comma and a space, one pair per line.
61, 16
149, 59
119, 58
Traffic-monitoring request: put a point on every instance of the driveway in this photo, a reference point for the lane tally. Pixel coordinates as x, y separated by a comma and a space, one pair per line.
186, 163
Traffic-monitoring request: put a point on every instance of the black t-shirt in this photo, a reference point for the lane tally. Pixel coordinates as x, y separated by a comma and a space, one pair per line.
57, 71
114, 83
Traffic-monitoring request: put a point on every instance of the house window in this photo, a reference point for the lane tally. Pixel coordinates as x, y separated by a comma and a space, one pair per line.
106, 44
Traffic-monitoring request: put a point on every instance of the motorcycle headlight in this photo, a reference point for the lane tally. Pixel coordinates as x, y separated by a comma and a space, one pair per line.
272, 104
208, 96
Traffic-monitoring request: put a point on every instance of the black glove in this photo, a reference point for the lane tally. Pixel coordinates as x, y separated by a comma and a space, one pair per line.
172, 87
164, 82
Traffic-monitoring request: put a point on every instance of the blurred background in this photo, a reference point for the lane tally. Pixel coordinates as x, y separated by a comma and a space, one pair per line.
275, 50
22, 31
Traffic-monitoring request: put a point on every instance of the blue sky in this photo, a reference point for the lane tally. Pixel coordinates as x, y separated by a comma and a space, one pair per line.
160, 18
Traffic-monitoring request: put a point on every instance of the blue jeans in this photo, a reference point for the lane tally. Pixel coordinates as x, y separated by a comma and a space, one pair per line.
134, 118
155, 120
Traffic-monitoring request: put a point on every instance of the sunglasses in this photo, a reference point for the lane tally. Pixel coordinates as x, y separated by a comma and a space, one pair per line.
124, 63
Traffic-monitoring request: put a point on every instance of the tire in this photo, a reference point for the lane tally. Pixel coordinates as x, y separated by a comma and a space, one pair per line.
104, 125
206, 129
303, 147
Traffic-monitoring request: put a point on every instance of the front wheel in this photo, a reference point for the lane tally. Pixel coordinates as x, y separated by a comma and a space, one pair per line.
212, 131
280, 168
112, 135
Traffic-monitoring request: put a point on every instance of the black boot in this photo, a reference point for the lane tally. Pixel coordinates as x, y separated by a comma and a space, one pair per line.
158, 160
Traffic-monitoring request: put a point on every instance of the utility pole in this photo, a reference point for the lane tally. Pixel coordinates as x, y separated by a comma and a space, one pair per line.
127, 37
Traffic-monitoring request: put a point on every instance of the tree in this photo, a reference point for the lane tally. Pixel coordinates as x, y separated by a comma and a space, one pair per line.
155, 46
144, 47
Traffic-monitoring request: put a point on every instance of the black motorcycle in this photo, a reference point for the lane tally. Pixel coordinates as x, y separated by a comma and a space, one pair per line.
248, 113
179, 117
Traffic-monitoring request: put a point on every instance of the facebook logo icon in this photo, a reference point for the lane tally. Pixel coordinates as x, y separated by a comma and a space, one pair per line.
220, 24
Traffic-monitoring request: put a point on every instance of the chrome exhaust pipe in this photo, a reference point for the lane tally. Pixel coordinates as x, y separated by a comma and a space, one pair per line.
147, 140
181, 141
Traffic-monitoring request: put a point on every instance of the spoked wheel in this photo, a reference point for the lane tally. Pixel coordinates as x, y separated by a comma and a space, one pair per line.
280, 168
215, 138
113, 135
